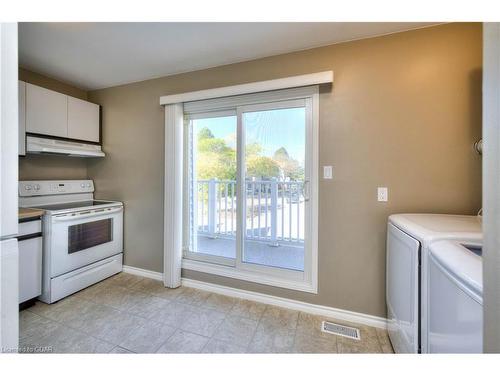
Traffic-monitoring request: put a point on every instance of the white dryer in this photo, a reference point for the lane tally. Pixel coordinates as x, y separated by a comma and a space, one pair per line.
455, 299
408, 240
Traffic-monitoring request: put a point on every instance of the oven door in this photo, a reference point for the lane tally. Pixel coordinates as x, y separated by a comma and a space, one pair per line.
82, 238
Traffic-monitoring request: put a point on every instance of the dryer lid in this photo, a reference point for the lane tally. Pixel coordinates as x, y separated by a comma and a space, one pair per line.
464, 265
430, 227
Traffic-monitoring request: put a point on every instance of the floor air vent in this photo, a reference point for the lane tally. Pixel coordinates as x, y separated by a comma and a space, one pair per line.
340, 330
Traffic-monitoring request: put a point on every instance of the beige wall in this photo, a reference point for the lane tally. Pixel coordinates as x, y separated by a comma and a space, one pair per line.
404, 112
44, 167
48, 167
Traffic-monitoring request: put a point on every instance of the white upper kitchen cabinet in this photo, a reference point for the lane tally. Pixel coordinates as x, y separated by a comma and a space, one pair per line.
46, 111
83, 120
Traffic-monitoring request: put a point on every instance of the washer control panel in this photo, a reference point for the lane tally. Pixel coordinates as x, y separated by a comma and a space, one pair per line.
33, 188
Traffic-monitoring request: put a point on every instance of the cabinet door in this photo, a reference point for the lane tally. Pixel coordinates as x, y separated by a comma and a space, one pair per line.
46, 111
9, 294
22, 118
30, 268
83, 120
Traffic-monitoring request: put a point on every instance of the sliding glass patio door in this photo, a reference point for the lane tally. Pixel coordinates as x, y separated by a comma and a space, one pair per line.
273, 184
248, 182
212, 187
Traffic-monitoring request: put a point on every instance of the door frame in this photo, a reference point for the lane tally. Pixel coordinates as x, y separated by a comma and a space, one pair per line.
290, 279
491, 186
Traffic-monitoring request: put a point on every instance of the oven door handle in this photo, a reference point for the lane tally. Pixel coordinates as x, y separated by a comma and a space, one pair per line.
105, 211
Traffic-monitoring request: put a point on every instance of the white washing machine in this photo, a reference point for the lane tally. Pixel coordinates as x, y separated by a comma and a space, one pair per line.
455, 298
408, 240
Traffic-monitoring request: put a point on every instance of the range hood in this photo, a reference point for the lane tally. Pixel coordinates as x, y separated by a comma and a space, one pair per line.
39, 145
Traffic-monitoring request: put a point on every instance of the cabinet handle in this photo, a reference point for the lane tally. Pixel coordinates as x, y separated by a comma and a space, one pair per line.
29, 236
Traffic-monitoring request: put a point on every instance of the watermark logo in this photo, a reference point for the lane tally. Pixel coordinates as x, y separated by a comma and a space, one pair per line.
29, 349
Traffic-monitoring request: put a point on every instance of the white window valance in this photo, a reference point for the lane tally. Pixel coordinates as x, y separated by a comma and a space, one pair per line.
249, 88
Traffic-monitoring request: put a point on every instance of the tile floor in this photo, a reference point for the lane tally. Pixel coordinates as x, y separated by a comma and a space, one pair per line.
131, 314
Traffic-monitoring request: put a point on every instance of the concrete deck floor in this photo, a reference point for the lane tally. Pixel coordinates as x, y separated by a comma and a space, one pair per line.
283, 256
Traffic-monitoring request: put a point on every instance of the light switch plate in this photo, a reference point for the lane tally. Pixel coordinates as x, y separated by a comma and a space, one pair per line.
327, 172
382, 194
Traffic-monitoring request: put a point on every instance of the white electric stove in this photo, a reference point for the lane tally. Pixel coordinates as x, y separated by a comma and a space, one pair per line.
83, 237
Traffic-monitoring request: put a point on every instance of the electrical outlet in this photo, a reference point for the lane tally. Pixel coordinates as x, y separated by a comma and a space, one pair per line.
327, 172
382, 194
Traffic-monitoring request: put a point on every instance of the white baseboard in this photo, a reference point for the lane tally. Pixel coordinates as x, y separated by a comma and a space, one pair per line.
329, 312
143, 272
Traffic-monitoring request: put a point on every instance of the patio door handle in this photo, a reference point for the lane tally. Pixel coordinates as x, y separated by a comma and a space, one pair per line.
305, 190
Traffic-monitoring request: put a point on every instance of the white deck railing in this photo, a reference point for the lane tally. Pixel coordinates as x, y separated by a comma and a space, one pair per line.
274, 210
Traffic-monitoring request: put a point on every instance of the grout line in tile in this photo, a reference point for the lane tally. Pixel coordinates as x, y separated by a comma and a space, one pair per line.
85, 333
121, 347
77, 330
218, 326
255, 332
295, 336
380, 342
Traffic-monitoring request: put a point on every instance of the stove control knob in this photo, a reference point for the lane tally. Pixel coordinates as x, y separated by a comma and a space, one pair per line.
28, 187
82, 185
37, 187
88, 185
